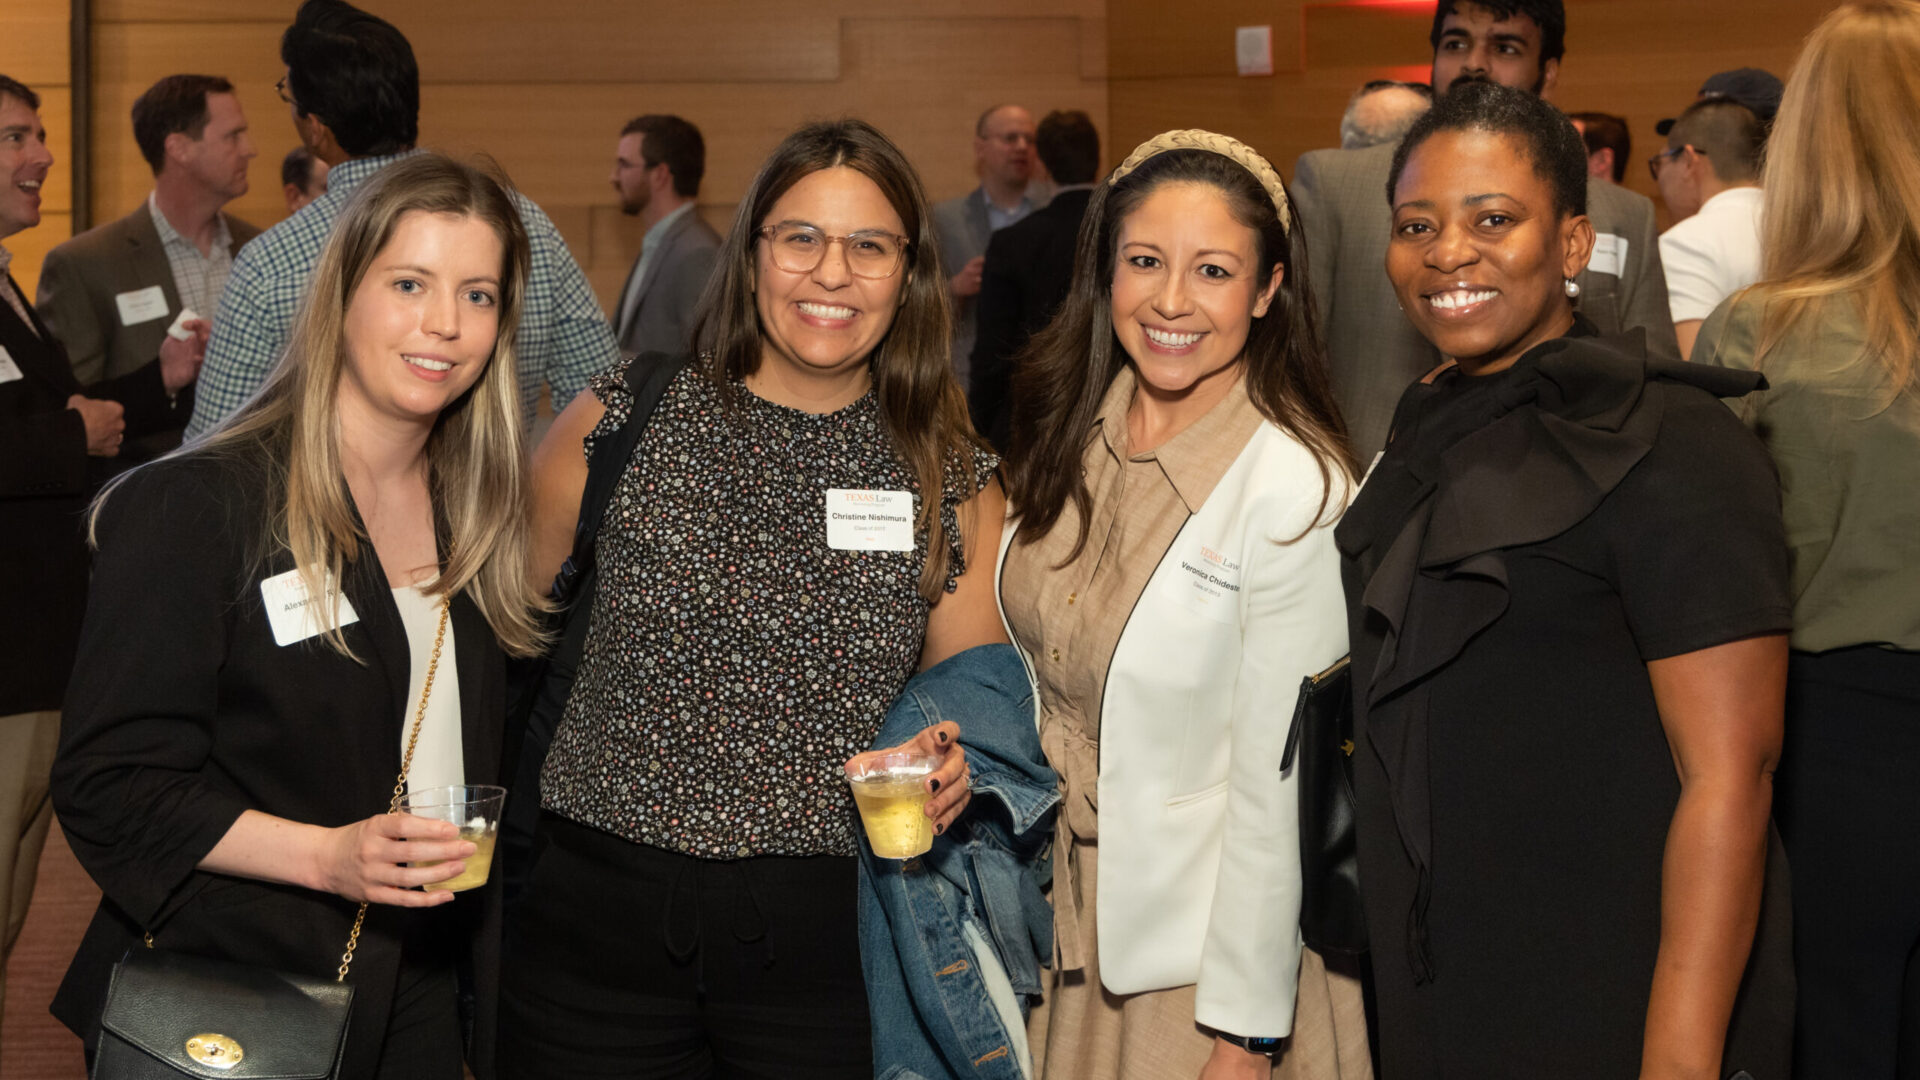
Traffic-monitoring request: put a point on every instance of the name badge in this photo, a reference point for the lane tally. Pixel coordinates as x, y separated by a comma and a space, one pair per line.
141, 305
1609, 254
294, 614
859, 520
1210, 583
9, 371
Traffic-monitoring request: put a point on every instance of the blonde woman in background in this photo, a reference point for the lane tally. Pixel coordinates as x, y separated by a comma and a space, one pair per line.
1834, 324
224, 768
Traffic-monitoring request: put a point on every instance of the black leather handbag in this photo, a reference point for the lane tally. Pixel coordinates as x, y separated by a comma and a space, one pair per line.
171, 1014
1320, 741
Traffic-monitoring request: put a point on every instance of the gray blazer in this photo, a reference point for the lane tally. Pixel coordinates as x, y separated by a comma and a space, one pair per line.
1373, 351
963, 230
81, 277
660, 317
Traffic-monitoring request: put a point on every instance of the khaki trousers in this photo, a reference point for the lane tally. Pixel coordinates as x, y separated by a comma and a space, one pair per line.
27, 742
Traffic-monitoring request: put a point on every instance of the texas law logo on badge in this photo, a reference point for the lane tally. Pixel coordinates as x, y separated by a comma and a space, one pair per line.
1210, 583
864, 520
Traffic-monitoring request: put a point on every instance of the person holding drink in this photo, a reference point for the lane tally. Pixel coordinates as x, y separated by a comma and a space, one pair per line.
1178, 466
288, 609
806, 520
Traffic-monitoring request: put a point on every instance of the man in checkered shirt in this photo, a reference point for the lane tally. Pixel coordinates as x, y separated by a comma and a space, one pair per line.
355, 95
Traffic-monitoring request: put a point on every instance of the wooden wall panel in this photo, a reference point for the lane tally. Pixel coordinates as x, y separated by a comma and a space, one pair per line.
547, 96
1641, 59
33, 50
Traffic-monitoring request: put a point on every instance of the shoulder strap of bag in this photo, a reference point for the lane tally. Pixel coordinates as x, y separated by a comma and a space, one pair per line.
648, 376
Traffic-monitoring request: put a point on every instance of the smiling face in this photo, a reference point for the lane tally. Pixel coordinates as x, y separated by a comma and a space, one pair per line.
24, 164
218, 159
1476, 44
1186, 289
826, 321
421, 324
1479, 255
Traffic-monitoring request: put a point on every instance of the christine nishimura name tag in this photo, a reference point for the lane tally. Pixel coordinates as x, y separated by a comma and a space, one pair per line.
869, 520
294, 614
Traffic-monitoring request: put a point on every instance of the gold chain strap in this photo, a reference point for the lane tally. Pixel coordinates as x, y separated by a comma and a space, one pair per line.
400, 786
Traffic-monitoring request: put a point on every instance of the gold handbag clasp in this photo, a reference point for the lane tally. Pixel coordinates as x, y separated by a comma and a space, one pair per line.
215, 1051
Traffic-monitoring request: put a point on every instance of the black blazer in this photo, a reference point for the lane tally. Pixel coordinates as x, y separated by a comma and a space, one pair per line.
1028, 270
184, 713
46, 478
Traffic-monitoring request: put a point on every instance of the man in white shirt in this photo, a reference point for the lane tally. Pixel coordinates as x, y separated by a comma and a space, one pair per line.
1709, 176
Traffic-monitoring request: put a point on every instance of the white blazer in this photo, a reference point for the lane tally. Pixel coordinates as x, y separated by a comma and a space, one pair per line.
1199, 870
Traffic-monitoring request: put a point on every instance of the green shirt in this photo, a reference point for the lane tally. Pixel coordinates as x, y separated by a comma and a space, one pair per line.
1848, 451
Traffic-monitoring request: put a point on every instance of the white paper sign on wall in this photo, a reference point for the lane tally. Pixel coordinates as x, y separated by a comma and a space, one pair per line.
1253, 49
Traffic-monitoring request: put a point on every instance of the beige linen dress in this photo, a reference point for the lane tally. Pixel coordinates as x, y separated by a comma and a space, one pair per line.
1069, 621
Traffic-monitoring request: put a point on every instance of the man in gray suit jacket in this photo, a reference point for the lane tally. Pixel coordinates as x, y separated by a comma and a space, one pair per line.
110, 294
657, 169
1003, 155
1340, 196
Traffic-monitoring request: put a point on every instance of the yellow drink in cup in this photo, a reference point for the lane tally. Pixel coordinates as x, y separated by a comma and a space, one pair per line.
891, 792
473, 807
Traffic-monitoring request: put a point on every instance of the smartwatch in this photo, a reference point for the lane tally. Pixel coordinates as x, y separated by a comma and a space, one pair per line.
1253, 1045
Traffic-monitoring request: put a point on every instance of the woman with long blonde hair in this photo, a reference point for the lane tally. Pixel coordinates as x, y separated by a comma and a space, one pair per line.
271, 606
1834, 324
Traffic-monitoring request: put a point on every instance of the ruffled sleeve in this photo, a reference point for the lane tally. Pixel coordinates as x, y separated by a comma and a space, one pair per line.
965, 475
610, 386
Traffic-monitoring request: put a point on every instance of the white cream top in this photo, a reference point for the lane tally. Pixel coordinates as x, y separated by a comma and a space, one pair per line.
439, 758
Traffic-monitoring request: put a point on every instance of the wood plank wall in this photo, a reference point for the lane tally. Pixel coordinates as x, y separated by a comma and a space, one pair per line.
33, 50
546, 88
1173, 66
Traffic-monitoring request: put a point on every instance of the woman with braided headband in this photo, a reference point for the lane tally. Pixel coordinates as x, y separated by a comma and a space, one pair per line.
1177, 467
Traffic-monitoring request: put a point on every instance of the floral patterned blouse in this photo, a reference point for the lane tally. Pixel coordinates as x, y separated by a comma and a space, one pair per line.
734, 660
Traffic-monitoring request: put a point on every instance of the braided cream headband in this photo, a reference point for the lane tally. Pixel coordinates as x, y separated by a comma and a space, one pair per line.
1226, 146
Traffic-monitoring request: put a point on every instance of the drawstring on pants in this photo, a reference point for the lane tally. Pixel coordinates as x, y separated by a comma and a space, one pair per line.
684, 948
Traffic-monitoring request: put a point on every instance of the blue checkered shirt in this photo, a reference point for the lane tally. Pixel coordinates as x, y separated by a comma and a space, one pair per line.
564, 337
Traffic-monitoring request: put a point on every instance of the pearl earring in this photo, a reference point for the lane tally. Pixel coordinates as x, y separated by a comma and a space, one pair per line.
1573, 287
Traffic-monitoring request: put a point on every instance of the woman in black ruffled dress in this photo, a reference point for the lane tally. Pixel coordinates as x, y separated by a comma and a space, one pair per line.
1568, 586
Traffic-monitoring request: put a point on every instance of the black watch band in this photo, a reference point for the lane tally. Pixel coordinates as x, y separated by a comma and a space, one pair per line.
1253, 1044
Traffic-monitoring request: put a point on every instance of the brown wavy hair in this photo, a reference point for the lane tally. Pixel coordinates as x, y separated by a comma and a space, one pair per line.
1064, 372
922, 410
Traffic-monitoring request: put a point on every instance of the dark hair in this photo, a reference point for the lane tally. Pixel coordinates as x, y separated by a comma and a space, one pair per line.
14, 88
674, 141
1064, 372
297, 168
355, 72
1727, 132
922, 409
1549, 15
177, 103
1069, 146
1543, 132
1605, 131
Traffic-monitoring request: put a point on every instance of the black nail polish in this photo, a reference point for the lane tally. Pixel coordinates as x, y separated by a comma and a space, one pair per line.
933, 786
942, 736
939, 830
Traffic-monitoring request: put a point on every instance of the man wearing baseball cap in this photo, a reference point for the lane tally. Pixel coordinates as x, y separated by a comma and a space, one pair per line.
1758, 90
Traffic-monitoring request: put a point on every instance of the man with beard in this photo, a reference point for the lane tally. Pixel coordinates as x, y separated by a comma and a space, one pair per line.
1372, 349
657, 169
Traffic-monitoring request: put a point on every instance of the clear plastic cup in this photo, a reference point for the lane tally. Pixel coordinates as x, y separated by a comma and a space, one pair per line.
891, 792
475, 808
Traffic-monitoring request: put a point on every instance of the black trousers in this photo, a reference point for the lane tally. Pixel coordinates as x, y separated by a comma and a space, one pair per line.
1848, 807
626, 961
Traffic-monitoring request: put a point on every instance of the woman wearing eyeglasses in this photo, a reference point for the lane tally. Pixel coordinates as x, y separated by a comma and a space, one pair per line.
807, 520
